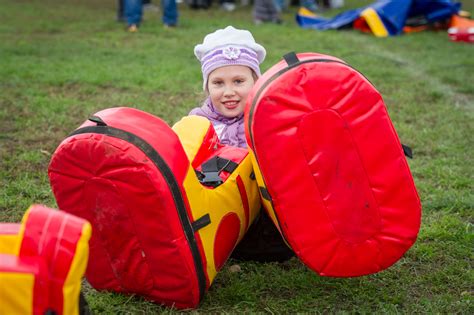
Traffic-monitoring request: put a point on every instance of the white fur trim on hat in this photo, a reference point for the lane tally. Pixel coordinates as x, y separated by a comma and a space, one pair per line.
229, 46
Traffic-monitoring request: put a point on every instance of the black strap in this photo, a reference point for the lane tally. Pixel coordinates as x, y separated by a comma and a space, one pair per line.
264, 193
218, 164
203, 221
210, 165
209, 176
291, 58
211, 179
97, 120
408, 151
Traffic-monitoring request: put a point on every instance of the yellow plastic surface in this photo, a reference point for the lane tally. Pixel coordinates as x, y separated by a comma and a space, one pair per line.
219, 201
16, 293
72, 285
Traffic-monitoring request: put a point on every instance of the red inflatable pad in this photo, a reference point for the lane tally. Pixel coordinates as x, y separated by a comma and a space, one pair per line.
104, 174
158, 231
331, 168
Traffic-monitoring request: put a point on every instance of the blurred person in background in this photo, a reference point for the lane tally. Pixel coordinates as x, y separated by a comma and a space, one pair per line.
266, 11
281, 5
131, 12
226, 5
120, 13
170, 13
199, 4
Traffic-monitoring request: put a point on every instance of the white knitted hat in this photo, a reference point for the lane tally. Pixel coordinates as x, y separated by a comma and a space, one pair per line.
226, 47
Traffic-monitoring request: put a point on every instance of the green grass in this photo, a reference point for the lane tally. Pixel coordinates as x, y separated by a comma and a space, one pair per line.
61, 61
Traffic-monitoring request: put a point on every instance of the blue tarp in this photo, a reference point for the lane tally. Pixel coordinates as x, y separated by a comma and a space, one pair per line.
393, 14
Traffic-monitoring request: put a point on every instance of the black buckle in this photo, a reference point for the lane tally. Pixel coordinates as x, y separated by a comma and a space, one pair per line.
210, 170
211, 179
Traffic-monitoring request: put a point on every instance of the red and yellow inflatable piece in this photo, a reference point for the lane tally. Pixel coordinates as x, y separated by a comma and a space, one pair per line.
167, 206
42, 261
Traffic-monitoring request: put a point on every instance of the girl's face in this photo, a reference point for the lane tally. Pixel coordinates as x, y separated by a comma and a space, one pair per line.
229, 87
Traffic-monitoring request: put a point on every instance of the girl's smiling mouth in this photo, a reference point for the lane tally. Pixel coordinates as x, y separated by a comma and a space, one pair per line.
230, 104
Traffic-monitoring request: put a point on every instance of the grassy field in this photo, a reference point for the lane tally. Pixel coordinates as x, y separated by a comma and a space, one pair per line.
61, 61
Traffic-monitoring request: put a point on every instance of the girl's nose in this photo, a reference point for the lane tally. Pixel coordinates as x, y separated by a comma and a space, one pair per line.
229, 91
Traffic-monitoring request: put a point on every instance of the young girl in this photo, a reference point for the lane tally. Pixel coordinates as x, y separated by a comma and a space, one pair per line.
230, 60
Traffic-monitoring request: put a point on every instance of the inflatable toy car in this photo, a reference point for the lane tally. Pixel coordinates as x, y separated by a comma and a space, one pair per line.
331, 169
167, 206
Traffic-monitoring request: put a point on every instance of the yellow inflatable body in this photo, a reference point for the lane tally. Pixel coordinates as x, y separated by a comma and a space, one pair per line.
236, 200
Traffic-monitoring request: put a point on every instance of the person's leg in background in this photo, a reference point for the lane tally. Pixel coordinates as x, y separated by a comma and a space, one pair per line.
120, 11
170, 13
265, 11
227, 5
133, 13
280, 5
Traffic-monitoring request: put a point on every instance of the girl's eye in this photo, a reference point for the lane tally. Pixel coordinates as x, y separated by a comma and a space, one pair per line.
239, 81
217, 82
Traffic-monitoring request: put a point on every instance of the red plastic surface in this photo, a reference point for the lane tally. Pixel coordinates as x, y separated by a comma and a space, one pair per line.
226, 238
116, 186
333, 166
